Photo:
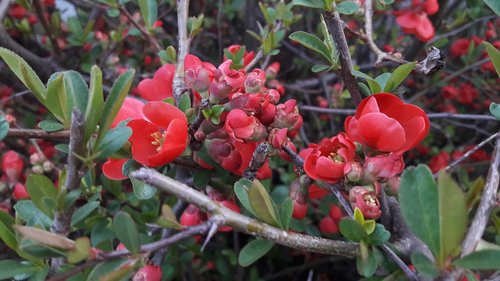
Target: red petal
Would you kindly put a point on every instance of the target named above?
(381, 132)
(328, 170)
(416, 130)
(131, 109)
(112, 169)
(192, 62)
(148, 90)
(175, 143)
(162, 113)
(425, 29)
(141, 139)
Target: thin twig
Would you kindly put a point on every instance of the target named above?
(40, 13)
(151, 39)
(242, 223)
(179, 86)
(469, 153)
(37, 134)
(336, 29)
(461, 28)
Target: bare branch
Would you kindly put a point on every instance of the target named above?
(335, 25)
(37, 134)
(258, 158)
(179, 86)
(242, 223)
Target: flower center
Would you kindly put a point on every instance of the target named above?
(158, 139)
(369, 200)
(336, 158)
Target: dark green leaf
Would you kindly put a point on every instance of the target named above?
(104, 268)
(382, 79)
(4, 127)
(126, 231)
(319, 68)
(76, 91)
(492, 51)
(184, 102)
(7, 234)
(142, 190)
(286, 212)
(317, 4)
(113, 141)
(374, 86)
(81, 251)
(50, 126)
(149, 11)
(262, 204)
(347, 7)
(495, 6)
(418, 196)
(352, 230)
(83, 212)
(113, 13)
(452, 216)
(423, 265)
(11, 268)
(24, 72)
(312, 42)
(481, 260)
(63, 147)
(380, 235)
(399, 74)
(28, 212)
(39, 187)
(56, 99)
(253, 251)
(114, 101)
(96, 102)
(366, 266)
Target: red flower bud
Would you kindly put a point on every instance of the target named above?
(273, 69)
(366, 201)
(192, 216)
(255, 81)
(234, 78)
(328, 226)
(148, 273)
(12, 166)
(299, 196)
(335, 213)
(20, 192)
(278, 137)
(383, 166)
(287, 116)
(242, 127)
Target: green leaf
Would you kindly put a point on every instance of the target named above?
(492, 51)
(27, 211)
(398, 76)
(423, 265)
(113, 141)
(126, 231)
(317, 4)
(39, 187)
(312, 42)
(494, 110)
(81, 252)
(352, 230)
(241, 190)
(76, 91)
(481, 260)
(50, 126)
(358, 216)
(369, 226)
(368, 265)
(168, 218)
(382, 79)
(96, 102)
(149, 11)
(24, 72)
(286, 212)
(379, 235)
(7, 234)
(347, 8)
(262, 204)
(11, 268)
(83, 212)
(319, 68)
(4, 127)
(114, 102)
(495, 6)
(184, 102)
(56, 100)
(374, 86)
(418, 196)
(142, 190)
(253, 251)
(452, 216)
(104, 268)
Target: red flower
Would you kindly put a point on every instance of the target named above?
(416, 23)
(242, 127)
(316, 192)
(439, 161)
(384, 123)
(327, 161)
(233, 78)
(17, 11)
(335, 213)
(148, 273)
(160, 87)
(468, 93)
(19, 192)
(12, 166)
(161, 137)
(449, 92)
(366, 201)
(131, 109)
(287, 116)
(255, 81)
(328, 226)
(198, 74)
(383, 166)
(247, 57)
(192, 216)
(113, 169)
(460, 47)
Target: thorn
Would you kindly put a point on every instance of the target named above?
(211, 232)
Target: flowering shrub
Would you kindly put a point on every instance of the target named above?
(171, 152)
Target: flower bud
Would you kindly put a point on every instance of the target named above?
(255, 81)
(192, 216)
(383, 166)
(278, 137)
(37, 169)
(148, 273)
(20, 192)
(366, 201)
(353, 171)
(335, 213)
(36, 158)
(328, 226)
